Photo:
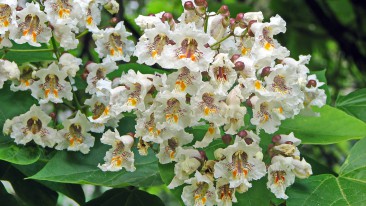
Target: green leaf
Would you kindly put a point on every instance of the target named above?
(167, 174)
(332, 126)
(73, 191)
(126, 197)
(74, 167)
(354, 104)
(29, 191)
(18, 154)
(33, 56)
(347, 189)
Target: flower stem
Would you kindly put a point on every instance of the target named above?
(27, 50)
(221, 40)
(54, 45)
(82, 34)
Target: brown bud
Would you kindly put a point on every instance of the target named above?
(265, 71)
(276, 138)
(114, 20)
(248, 140)
(239, 17)
(201, 3)
(239, 66)
(52, 115)
(203, 155)
(189, 5)
(235, 57)
(166, 17)
(242, 133)
(131, 134)
(224, 10)
(311, 83)
(226, 138)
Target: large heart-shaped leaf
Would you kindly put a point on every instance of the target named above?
(354, 104)
(332, 126)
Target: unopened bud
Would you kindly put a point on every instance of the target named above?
(248, 140)
(114, 20)
(276, 138)
(265, 71)
(289, 142)
(249, 102)
(239, 17)
(131, 134)
(239, 66)
(235, 57)
(311, 83)
(52, 115)
(166, 17)
(224, 10)
(226, 138)
(242, 133)
(201, 3)
(189, 5)
(203, 155)
(250, 32)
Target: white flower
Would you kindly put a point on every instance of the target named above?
(280, 175)
(217, 26)
(240, 165)
(8, 70)
(120, 155)
(62, 12)
(51, 85)
(133, 96)
(148, 22)
(184, 81)
(26, 78)
(91, 14)
(31, 26)
(4, 40)
(65, 35)
(114, 44)
(7, 15)
(187, 164)
(189, 49)
(69, 64)
(249, 16)
(302, 169)
(314, 96)
(225, 194)
(171, 145)
(33, 126)
(75, 136)
(222, 74)
(100, 109)
(267, 115)
(152, 43)
(206, 105)
(172, 111)
(213, 132)
(200, 191)
(98, 72)
(265, 47)
(233, 112)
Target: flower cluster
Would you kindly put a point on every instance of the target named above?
(218, 70)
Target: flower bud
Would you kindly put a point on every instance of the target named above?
(114, 20)
(224, 10)
(276, 138)
(248, 140)
(311, 83)
(218, 154)
(235, 57)
(166, 17)
(239, 66)
(226, 138)
(189, 5)
(52, 115)
(201, 3)
(203, 155)
(265, 71)
(239, 17)
(250, 32)
(242, 133)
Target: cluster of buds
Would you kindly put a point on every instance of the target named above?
(218, 68)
